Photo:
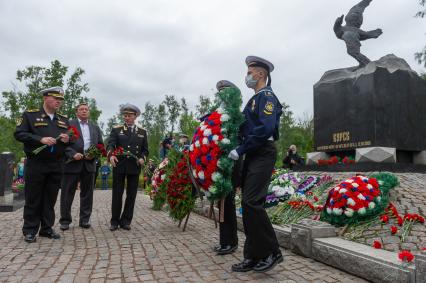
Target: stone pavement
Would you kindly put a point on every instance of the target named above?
(155, 250)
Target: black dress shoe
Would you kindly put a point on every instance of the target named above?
(226, 249)
(268, 262)
(64, 227)
(51, 234)
(85, 225)
(113, 227)
(244, 266)
(216, 248)
(30, 238)
(125, 227)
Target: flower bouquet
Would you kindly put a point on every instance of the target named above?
(72, 132)
(158, 189)
(95, 151)
(119, 151)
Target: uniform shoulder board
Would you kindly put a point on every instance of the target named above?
(32, 110)
(140, 128)
(118, 126)
(62, 115)
(268, 93)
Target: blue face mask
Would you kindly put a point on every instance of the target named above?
(250, 82)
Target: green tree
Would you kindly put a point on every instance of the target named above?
(7, 141)
(421, 56)
(204, 106)
(173, 108)
(187, 122)
(35, 78)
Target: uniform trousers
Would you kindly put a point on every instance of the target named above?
(261, 240)
(42, 182)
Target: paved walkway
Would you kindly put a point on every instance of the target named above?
(155, 250)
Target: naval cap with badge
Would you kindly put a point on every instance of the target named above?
(55, 91)
(224, 84)
(130, 109)
(255, 61)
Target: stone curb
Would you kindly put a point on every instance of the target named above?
(317, 240)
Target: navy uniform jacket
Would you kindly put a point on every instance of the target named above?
(136, 143)
(36, 124)
(262, 120)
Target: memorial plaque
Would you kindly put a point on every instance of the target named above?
(6, 172)
(381, 105)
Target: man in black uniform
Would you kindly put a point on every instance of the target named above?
(81, 168)
(228, 238)
(43, 171)
(134, 141)
(260, 130)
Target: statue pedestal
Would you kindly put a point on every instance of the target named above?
(379, 106)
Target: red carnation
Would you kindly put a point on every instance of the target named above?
(384, 218)
(406, 256)
(394, 230)
(400, 220)
(377, 245)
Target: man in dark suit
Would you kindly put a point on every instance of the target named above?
(81, 168)
(134, 142)
(43, 170)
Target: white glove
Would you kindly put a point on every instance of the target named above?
(233, 155)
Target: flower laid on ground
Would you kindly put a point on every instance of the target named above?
(408, 222)
(336, 160)
(213, 140)
(72, 133)
(406, 256)
(384, 218)
(179, 190)
(377, 245)
(394, 230)
(358, 198)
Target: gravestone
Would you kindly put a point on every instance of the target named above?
(7, 160)
(379, 107)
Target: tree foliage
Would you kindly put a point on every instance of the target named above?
(421, 55)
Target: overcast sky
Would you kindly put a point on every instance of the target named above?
(138, 51)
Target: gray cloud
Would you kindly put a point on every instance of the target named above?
(138, 51)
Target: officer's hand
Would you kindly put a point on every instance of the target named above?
(89, 157)
(141, 161)
(48, 140)
(113, 160)
(64, 138)
(233, 155)
(78, 156)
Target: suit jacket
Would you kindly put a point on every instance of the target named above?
(76, 166)
(136, 143)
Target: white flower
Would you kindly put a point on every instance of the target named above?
(329, 211)
(203, 127)
(379, 199)
(371, 205)
(362, 211)
(223, 130)
(281, 181)
(201, 175)
(355, 185)
(349, 181)
(337, 188)
(191, 147)
(342, 191)
(369, 186)
(349, 212)
(337, 211)
(205, 141)
(361, 197)
(351, 202)
(289, 190)
(194, 173)
(216, 176)
(207, 193)
(381, 182)
(220, 110)
(163, 177)
(207, 132)
(226, 141)
(197, 144)
(224, 117)
(279, 191)
(215, 138)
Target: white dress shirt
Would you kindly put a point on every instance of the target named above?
(85, 132)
